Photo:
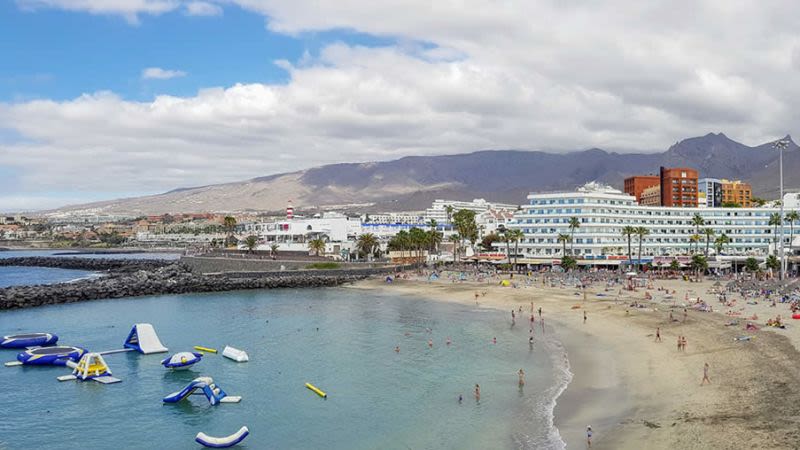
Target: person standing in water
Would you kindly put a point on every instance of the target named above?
(521, 377)
(477, 392)
(658, 334)
(589, 435)
(584, 317)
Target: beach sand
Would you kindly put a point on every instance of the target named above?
(639, 394)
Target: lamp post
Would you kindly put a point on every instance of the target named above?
(781, 145)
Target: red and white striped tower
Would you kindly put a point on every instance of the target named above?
(289, 211)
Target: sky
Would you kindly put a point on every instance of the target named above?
(103, 99)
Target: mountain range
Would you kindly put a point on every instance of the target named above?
(507, 176)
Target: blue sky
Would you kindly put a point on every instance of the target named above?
(363, 81)
(55, 54)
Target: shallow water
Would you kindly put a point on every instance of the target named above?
(339, 339)
(18, 276)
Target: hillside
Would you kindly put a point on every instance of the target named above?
(411, 183)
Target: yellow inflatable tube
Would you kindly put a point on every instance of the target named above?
(316, 390)
(204, 349)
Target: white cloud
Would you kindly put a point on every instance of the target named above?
(465, 75)
(203, 9)
(157, 73)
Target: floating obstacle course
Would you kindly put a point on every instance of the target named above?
(316, 390)
(92, 367)
(143, 339)
(28, 340)
(205, 386)
(182, 360)
(222, 442)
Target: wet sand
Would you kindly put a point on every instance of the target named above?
(637, 393)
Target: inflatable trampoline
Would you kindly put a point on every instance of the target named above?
(28, 340)
(182, 360)
(56, 356)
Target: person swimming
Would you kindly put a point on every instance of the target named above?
(430, 343)
(494, 340)
(397, 349)
(447, 341)
(477, 392)
(521, 377)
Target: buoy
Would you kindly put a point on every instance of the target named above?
(205, 349)
(316, 390)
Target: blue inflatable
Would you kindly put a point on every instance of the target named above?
(222, 442)
(28, 340)
(207, 387)
(56, 356)
(182, 360)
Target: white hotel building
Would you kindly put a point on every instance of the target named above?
(604, 211)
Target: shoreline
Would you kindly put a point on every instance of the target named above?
(638, 393)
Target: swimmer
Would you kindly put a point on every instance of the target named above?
(521, 377)
(494, 340)
(477, 392)
(397, 349)
(460, 398)
(430, 343)
(447, 341)
(530, 341)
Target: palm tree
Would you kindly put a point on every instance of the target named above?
(504, 236)
(709, 233)
(791, 217)
(697, 221)
(251, 242)
(433, 224)
(775, 220)
(574, 224)
(695, 238)
(456, 240)
(516, 236)
(435, 238)
(229, 222)
(317, 246)
(563, 238)
(366, 244)
(720, 242)
(448, 210)
(641, 232)
(273, 249)
(628, 232)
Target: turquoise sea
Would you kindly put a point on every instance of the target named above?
(342, 340)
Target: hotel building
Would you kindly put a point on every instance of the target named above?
(679, 187)
(637, 184)
(604, 212)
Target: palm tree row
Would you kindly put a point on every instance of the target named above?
(416, 240)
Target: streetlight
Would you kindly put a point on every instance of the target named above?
(781, 145)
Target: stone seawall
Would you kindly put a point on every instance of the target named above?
(201, 264)
(166, 278)
(97, 264)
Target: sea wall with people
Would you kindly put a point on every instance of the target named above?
(131, 278)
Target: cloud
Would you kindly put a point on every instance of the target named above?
(461, 76)
(157, 73)
(203, 9)
(129, 9)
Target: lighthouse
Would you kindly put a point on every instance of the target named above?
(289, 211)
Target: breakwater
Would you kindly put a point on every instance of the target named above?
(131, 278)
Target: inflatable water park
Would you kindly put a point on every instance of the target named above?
(42, 349)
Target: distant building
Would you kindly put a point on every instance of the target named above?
(438, 210)
(737, 192)
(651, 196)
(395, 218)
(711, 192)
(636, 185)
(678, 187)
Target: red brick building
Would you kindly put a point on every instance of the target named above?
(678, 187)
(636, 184)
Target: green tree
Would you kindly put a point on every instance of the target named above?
(720, 243)
(699, 264)
(563, 238)
(464, 222)
(366, 244)
(791, 218)
(697, 221)
(773, 263)
(515, 236)
(432, 235)
(709, 234)
(774, 221)
(628, 232)
(488, 240)
(251, 242)
(317, 246)
(758, 201)
(574, 224)
(568, 262)
(675, 265)
(273, 249)
(229, 222)
(419, 241)
(751, 264)
(448, 210)
(695, 239)
(641, 232)
(456, 240)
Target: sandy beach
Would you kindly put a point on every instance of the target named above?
(637, 393)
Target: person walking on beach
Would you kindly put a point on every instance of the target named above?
(589, 435)
(658, 334)
(705, 375)
(521, 377)
(540, 312)
(683, 343)
(584, 317)
(680, 341)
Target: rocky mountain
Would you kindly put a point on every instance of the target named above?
(411, 183)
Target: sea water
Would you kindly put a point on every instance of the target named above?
(339, 339)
